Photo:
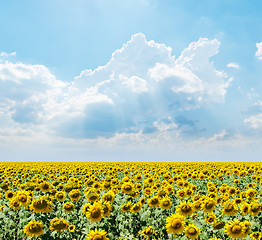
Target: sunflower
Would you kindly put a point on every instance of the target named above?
(181, 193)
(175, 224)
(107, 208)
(9, 194)
(232, 191)
(126, 207)
(238, 200)
(109, 196)
(41, 205)
(15, 204)
(95, 212)
(208, 205)
(189, 192)
(255, 208)
(92, 195)
(147, 191)
(142, 200)
(219, 225)
(210, 218)
(148, 231)
(235, 229)
(75, 195)
(68, 207)
(185, 208)
(2, 208)
(251, 193)
(192, 231)
(58, 225)
(136, 207)
(196, 197)
(71, 228)
(230, 208)
(23, 197)
(86, 207)
(197, 205)
(60, 196)
(247, 228)
(256, 235)
(45, 186)
(127, 188)
(153, 202)
(134, 194)
(34, 228)
(97, 235)
(165, 203)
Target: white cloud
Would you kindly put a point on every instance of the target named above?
(259, 50)
(135, 83)
(233, 65)
(145, 83)
(4, 54)
(23, 90)
(142, 84)
(254, 121)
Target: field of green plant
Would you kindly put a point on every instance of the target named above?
(101, 201)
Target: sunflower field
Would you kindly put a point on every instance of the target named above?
(102, 201)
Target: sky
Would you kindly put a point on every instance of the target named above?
(133, 80)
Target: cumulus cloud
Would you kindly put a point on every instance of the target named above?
(143, 83)
(140, 90)
(254, 121)
(233, 65)
(23, 90)
(259, 50)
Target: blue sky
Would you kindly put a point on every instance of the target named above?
(133, 80)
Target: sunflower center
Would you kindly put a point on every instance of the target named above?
(229, 208)
(236, 229)
(219, 225)
(75, 195)
(128, 188)
(69, 207)
(251, 194)
(136, 207)
(16, 204)
(192, 231)
(59, 225)
(40, 204)
(238, 201)
(209, 205)
(35, 228)
(45, 186)
(186, 209)
(93, 197)
(95, 213)
(255, 208)
(149, 232)
(98, 237)
(108, 198)
(106, 209)
(245, 209)
(198, 205)
(10, 195)
(126, 207)
(154, 201)
(176, 224)
(60, 197)
(166, 203)
(22, 198)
